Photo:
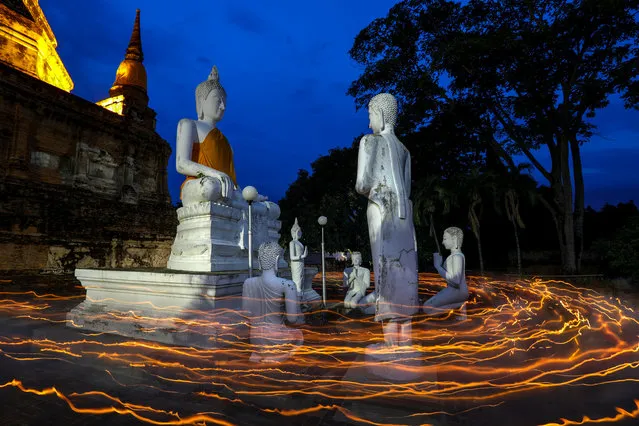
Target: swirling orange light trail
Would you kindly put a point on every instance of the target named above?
(518, 338)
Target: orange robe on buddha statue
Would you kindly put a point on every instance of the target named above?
(214, 152)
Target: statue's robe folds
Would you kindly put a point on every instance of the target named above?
(214, 152)
(384, 176)
(297, 266)
(264, 303)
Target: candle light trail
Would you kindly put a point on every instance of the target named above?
(518, 338)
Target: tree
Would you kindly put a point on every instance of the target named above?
(620, 251)
(329, 191)
(512, 187)
(532, 73)
(478, 185)
(427, 197)
(442, 153)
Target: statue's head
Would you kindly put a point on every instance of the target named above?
(356, 258)
(268, 255)
(210, 97)
(382, 112)
(296, 231)
(453, 238)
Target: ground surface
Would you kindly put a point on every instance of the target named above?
(527, 353)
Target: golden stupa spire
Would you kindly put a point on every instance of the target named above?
(128, 96)
(131, 72)
(134, 51)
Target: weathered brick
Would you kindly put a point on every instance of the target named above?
(79, 185)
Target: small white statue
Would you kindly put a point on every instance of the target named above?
(453, 271)
(384, 177)
(298, 253)
(262, 299)
(357, 279)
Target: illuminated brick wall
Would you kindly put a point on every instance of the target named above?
(28, 44)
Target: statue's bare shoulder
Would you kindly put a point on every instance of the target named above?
(186, 129)
(370, 141)
(186, 123)
(370, 137)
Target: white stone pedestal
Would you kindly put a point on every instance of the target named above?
(180, 308)
(213, 237)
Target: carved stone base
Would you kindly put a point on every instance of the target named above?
(178, 308)
(310, 296)
(164, 306)
(213, 237)
(165, 326)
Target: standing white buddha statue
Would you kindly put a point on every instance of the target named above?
(298, 253)
(384, 177)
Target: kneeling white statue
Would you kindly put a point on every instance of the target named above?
(262, 299)
(357, 279)
(453, 271)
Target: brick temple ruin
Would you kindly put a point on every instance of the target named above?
(82, 184)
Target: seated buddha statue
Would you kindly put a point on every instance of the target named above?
(268, 300)
(212, 234)
(203, 153)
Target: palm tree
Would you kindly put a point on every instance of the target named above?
(511, 201)
(432, 192)
(478, 184)
(426, 197)
(517, 184)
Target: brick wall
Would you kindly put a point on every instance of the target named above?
(79, 185)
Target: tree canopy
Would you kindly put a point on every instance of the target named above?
(329, 190)
(516, 76)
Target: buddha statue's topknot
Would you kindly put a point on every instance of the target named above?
(207, 86)
(268, 254)
(386, 103)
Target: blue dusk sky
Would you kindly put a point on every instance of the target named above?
(286, 69)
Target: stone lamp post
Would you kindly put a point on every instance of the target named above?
(322, 222)
(250, 194)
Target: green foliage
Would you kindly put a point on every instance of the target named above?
(512, 75)
(329, 191)
(604, 223)
(620, 253)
